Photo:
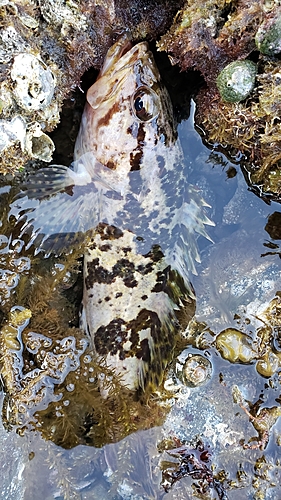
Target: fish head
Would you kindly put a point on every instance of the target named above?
(128, 108)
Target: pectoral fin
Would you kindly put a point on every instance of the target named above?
(58, 201)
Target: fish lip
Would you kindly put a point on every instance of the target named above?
(124, 54)
(126, 47)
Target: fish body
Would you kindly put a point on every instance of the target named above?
(128, 185)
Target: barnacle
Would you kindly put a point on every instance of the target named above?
(34, 83)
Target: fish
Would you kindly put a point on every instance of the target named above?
(128, 190)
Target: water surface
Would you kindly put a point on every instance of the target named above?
(237, 279)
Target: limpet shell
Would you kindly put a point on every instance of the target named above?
(237, 80)
(268, 36)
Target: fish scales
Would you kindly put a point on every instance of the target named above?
(128, 189)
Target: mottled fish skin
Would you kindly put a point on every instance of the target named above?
(136, 279)
(128, 185)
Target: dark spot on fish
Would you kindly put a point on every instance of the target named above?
(144, 351)
(108, 232)
(104, 121)
(146, 320)
(110, 338)
(161, 283)
(154, 214)
(125, 269)
(145, 269)
(99, 274)
(118, 294)
(165, 222)
(133, 129)
(135, 160)
(69, 190)
(137, 154)
(110, 164)
(113, 195)
(107, 299)
(136, 183)
(141, 134)
(105, 248)
(161, 162)
(155, 254)
(144, 297)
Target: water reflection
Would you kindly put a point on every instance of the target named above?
(235, 289)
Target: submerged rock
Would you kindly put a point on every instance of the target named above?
(235, 346)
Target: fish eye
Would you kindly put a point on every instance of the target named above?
(144, 104)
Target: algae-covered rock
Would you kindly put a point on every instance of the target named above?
(268, 36)
(208, 36)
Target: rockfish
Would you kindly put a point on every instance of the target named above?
(128, 189)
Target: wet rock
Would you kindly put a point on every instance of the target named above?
(235, 346)
(209, 36)
(12, 131)
(273, 226)
(34, 83)
(268, 364)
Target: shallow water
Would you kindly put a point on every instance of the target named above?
(238, 276)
